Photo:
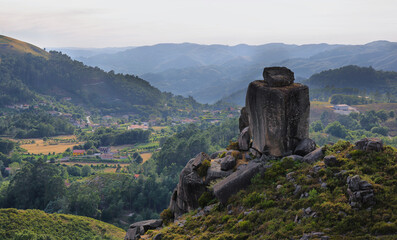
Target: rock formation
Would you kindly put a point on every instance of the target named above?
(361, 193)
(139, 228)
(278, 112)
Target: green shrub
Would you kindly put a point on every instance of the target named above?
(205, 199)
(384, 228)
(252, 199)
(167, 216)
(232, 146)
(202, 170)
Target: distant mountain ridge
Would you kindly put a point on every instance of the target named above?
(211, 72)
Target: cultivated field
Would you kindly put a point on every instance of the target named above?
(146, 156)
(57, 145)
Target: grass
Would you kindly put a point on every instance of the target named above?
(36, 224)
(13, 45)
(49, 146)
(146, 156)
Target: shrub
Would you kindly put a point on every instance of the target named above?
(205, 199)
(202, 170)
(384, 228)
(232, 146)
(252, 199)
(166, 215)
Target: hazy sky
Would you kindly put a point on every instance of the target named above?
(97, 23)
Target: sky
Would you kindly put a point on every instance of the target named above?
(118, 23)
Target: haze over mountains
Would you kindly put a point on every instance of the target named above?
(211, 72)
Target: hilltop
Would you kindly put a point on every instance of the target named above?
(12, 46)
(36, 224)
(299, 200)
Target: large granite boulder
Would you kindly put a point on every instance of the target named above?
(278, 115)
(190, 187)
(139, 228)
(243, 120)
(278, 76)
(244, 140)
(237, 181)
(228, 163)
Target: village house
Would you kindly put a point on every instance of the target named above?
(78, 152)
(341, 107)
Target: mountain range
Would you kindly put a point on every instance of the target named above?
(211, 72)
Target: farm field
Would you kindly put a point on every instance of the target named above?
(111, 169)
(57, 145)
(146, 156)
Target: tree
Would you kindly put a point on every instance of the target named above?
(336, 129)
(6, 146)
(317, 126)
(86, 171)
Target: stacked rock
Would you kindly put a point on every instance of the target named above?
(278, 112)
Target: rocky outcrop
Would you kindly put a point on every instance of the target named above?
(215, 172)
(244, 139)
(228, 163)
(278, 112)
(370, 144)
(331, 161)
(361, 193)
(240, 179)
(190, 187)
(139, 228)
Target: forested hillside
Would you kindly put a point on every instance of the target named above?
(24, 77)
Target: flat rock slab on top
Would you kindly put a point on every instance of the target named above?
(278, 76)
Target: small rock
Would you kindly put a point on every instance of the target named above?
(323, 185)
(305, 147)
(308, 210)
(298, 188)
(290, 177)
(279, 186)
(314, 156)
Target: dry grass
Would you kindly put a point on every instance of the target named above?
(45, 147)
(146, 156)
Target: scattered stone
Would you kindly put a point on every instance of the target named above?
(139, 228)
(278, 76)
(370, 144)
(227, 163)
(361, 193)
(317, 168)
(314, 156)
(244, 139)
(278, 116)
(323, 185)
(237, 181)
(298, 188)
(290, 177)
(305, 147)
(208, 209)
(331, 161)
(279, 187)
(243, 120)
